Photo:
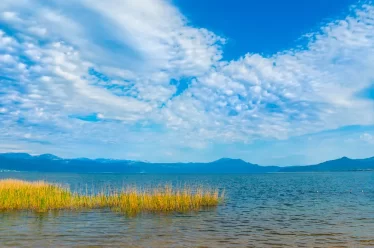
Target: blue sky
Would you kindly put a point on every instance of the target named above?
(271, 82)
(264, 27)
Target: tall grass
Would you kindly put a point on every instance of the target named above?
(41, 196)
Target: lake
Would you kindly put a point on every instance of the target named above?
(260, 210)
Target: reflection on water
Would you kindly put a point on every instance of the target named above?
(268, 210)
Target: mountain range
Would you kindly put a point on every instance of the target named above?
(52, 163)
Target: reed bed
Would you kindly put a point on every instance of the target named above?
(41, 196)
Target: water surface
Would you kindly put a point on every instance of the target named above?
(260, 210)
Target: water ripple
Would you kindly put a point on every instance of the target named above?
(267, 210)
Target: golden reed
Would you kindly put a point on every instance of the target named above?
(41, 196)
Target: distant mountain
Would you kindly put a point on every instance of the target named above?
(48, 157)
(341, 164)
(16, 155)
(52, 163)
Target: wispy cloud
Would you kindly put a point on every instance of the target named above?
(367, 138)
(117, 63)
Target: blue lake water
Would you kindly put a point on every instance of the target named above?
(260, 210)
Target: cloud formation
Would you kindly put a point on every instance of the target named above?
(136, 76)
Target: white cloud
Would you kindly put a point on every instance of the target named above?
(10, 16)
(7, 59)
(38, 31)
(137, 47)
(160, 33)
(367, 138)
(292, 92)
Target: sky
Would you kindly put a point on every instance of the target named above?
(271, 82)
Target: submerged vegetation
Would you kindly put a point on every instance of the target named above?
(41, 196)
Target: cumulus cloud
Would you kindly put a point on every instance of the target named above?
(116, 60)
